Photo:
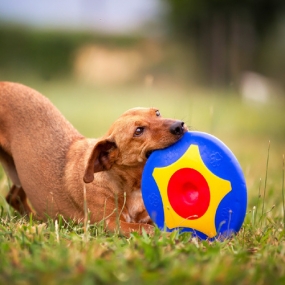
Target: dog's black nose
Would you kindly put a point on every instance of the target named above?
(177, 128)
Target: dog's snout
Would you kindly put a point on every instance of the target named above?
(177, 128)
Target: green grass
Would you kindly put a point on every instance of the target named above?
(32, 252)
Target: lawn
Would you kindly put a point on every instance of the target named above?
(62, 252)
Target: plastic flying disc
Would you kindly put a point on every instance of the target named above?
(195, 185)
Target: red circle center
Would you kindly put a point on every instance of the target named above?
(188, 193)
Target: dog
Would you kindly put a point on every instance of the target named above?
(57, 171)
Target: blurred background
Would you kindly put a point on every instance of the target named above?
(219, 65)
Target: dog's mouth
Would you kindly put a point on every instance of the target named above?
(148, 153)
(179, 136)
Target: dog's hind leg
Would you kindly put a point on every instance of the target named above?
(18, 200)
(16, 197)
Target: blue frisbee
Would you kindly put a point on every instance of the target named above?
(195, 185)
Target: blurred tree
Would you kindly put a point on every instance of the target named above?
(227, 34)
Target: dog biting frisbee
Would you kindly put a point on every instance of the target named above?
(195, 185)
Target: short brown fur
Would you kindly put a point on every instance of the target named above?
(50, 162)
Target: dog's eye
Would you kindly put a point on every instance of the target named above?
(138, 131)
(157, 113)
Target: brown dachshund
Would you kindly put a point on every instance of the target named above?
(57, 170)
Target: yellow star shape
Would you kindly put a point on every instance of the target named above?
(218, 187)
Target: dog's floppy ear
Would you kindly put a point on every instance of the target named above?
(102, 158)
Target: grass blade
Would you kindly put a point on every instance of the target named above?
(283, 201)
(265, 183)
(259, 196)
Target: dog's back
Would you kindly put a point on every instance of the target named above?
(29, 119)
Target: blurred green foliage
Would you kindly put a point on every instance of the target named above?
(230, 36)
(186, 14)
(46, 53)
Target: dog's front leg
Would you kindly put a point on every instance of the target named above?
(126, 228)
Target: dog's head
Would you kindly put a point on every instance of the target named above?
(131, 140)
